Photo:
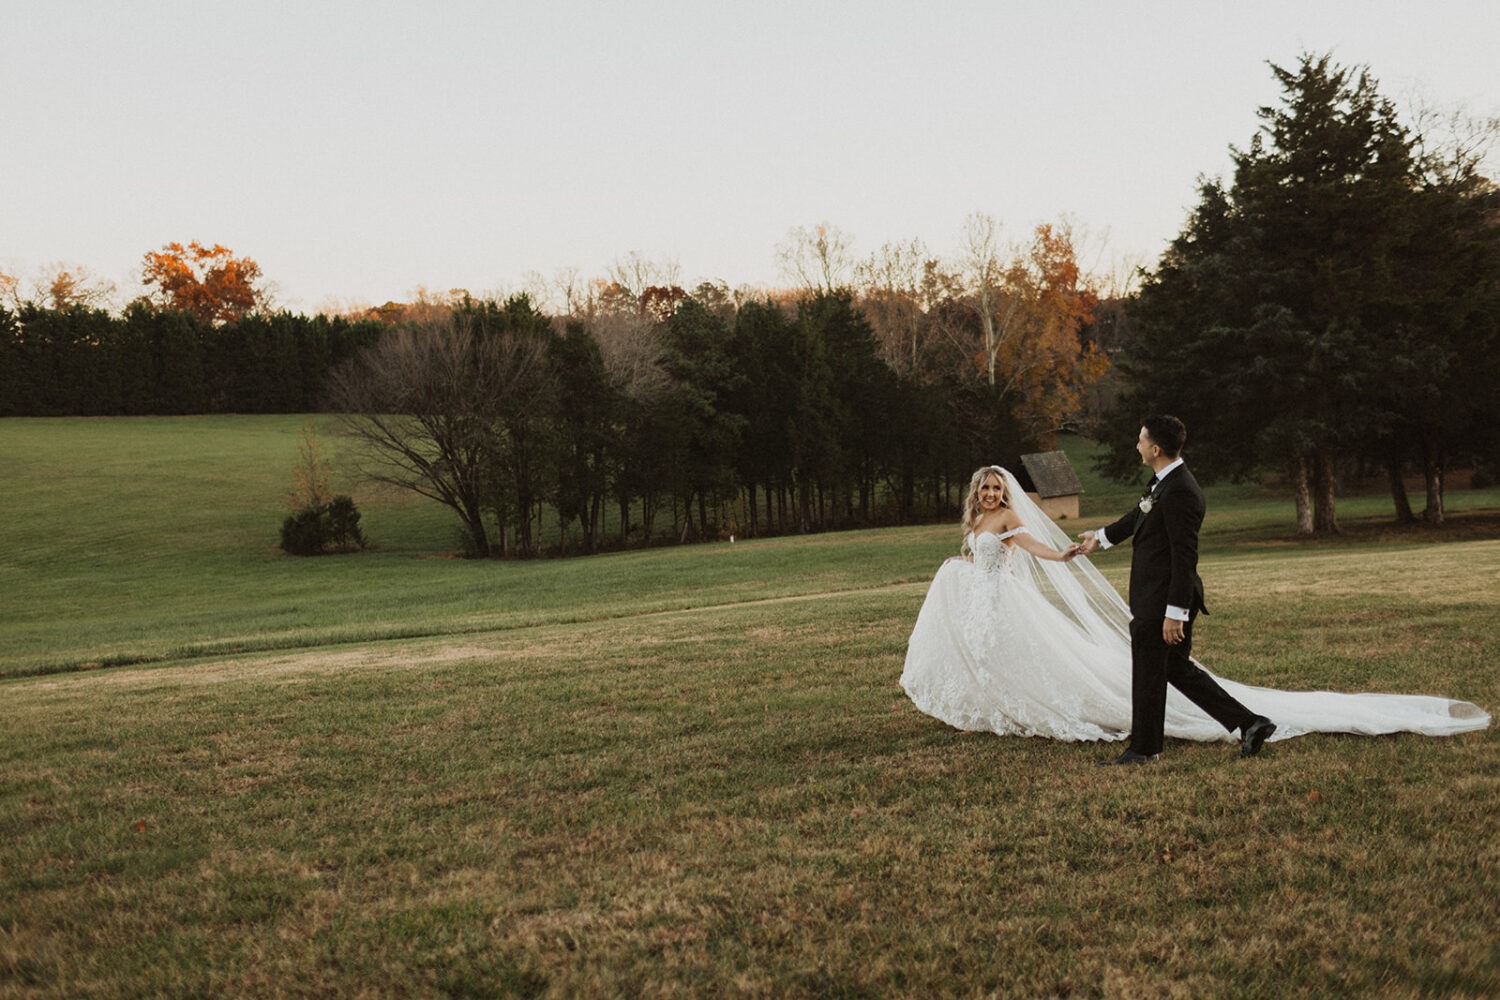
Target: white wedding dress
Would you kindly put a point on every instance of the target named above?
(1015, 645)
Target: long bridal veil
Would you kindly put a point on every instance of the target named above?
(1084, 597)
(1075, 587)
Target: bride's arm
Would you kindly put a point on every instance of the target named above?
(1042, 550)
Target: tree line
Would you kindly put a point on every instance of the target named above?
(83, 361)
(864, 398)
(204, 341)
(707, 419)
(1334, 308)
(1336, 305)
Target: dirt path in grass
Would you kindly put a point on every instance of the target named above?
(510, 643)
(1442, 575)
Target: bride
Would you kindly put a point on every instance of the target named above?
(1019, 636)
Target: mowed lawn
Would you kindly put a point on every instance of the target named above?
(688, 772)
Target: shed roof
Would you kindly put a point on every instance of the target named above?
(1052, 474)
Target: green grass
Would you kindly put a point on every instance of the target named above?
(688, 772)
(148, 539)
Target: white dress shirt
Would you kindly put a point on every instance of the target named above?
(1173, 611)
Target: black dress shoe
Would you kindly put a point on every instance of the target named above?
(1131, 757)
(1254, 735)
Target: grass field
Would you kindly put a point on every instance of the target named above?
(687, 771)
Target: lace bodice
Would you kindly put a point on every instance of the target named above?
(991, 553)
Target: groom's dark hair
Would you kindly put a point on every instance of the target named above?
(1167, 433)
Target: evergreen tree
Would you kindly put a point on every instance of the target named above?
(588, 417)
(14, 381)
(698, 427)
(761, 351)
(1286, 322)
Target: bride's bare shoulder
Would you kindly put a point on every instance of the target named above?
(998, 522)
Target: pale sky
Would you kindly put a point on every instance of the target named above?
(360, 150)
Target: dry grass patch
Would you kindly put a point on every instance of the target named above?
(738, 800)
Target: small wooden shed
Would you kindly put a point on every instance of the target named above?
(1057, 485)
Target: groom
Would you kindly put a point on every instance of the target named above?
(1166, 593)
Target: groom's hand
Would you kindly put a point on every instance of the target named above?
(1172, 631)
(1089, 543)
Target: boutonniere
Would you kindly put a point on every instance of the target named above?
(1147, 502)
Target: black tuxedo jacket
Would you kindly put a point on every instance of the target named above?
(1164, 563)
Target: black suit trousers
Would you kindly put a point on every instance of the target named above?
(1154, 665)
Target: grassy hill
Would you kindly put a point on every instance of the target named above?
(134, 540)
(684, 772)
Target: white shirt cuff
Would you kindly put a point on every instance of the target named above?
(1102, 539)
(1180, 614)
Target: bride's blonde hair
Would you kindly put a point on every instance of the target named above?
(972, 510)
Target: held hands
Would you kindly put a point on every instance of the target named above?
(1072, 552)
(1089, 544)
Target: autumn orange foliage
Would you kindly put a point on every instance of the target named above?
(659, 302)
(210, 282)
(1046, 366)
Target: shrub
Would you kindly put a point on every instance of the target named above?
(320, 528)
(302, 533)
(343, 525)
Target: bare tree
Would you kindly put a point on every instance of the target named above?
(1451, 144)
(1118, 278)
(1453, 155)
(58, 286)
(891, 284)
(818, 259)
(635, 273)
(984, 270)
(633, 353)
(68, 285)
(426, 403)
(563, 294)
(310, 474)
